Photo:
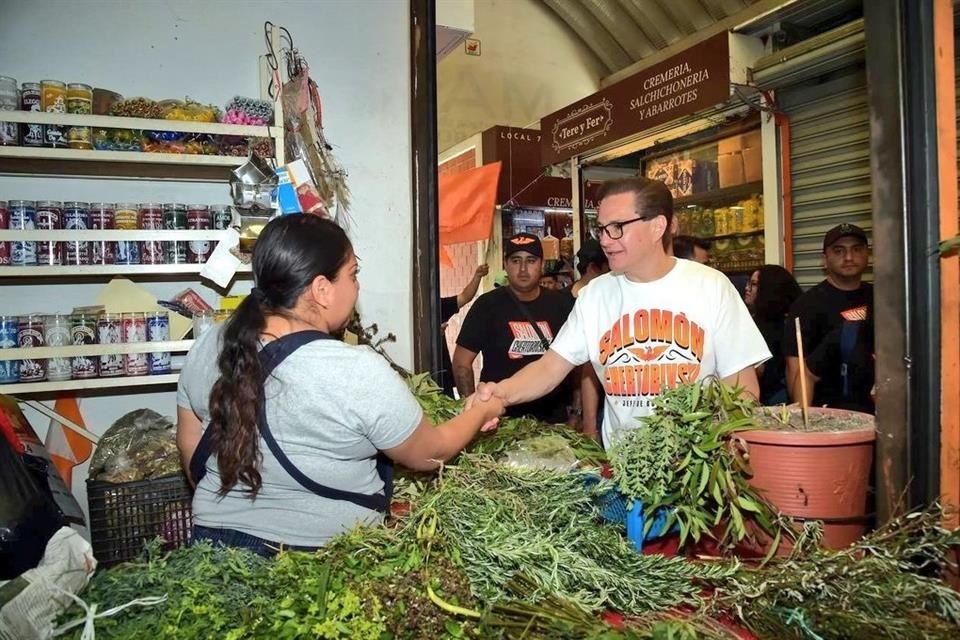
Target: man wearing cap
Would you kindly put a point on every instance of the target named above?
(836, 321)
(512, 326)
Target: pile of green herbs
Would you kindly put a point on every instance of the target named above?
(684, 460)
(542, 524)
(368, 584)
(889, 584)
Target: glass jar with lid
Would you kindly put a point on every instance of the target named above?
(9, 101)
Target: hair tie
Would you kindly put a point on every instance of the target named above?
(258, 295)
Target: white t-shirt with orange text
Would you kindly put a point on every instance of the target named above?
(643, 337)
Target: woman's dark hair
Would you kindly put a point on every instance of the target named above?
(290, 253)
(776, 291)
(651, 197)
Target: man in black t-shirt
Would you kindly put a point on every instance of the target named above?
(500, 325)
(836, 321)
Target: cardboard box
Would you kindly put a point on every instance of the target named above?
(730, 169)
(752, 164)
(739, 142)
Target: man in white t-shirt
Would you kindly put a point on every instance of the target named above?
(654, 321)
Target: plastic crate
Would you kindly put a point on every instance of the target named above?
(616, 508)
(124, 516)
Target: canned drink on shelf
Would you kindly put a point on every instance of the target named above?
(110, 331)
(9, 369)
(31, 134)
(175, 219)
(4, 224)
(158, 330)
(222, 215)
(150, 218)
(80, 102)
(125, 217)
(134, 331)
(49, 217)
(57, 334)
(101, 217)
(23, 217)
(198, 218)
(29, 335)
(53, 99)
(76, 217)
(83, 330)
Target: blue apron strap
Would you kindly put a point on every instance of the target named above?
(271, 356)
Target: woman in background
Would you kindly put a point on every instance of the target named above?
(769, 294)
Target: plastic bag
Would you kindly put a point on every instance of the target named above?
(139, 446)
(543, 452)
(30, 603)
(28, 514)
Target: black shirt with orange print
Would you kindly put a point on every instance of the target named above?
(837, 329)
(496, 327)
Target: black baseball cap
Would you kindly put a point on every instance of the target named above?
(590, 253)
(842, 231)
(523, 242)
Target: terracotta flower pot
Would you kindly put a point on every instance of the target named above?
(818, 475)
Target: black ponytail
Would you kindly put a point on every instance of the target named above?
(290, 253)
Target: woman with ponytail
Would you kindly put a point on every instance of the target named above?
(288, 434)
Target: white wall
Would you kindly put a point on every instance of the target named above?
(531, 64)
(359, 52)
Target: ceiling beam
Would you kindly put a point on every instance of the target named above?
(655, 23)
(591, 32)
(756, 9)
(621, 26)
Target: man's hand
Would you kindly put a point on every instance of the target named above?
(487, 392)
(470, 290)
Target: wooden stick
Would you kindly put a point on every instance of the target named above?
(803, 374)
(69, 424)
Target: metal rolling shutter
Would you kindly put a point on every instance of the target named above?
(830, 163)
(821, 86)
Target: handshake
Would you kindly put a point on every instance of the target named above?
(491, 399)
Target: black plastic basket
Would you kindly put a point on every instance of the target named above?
(124, 516)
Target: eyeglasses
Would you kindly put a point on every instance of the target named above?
(614, 230)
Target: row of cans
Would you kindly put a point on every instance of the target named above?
(61, 330)
(52, 214)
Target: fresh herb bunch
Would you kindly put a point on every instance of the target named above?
(889, 584)
(503, 521)
(683, 459)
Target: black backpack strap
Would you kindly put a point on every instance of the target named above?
(271, 356)
(529, 316)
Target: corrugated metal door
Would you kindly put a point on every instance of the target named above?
(830, 163)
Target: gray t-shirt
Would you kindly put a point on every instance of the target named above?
(331, 406)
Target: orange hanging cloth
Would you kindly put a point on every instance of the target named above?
(467, 203)
(67, 449)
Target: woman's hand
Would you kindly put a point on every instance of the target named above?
(492, 409)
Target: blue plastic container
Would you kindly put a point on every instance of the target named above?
(616, 508)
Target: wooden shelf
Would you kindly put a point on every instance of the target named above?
(117, 164)
(119, 382)
(117, 122)
(726, 194)
(43, 353)
(107, 235)
(105, 270)
(730, 236)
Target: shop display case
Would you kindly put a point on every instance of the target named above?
(717, 189)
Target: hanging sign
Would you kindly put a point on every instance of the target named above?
(690, 81)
